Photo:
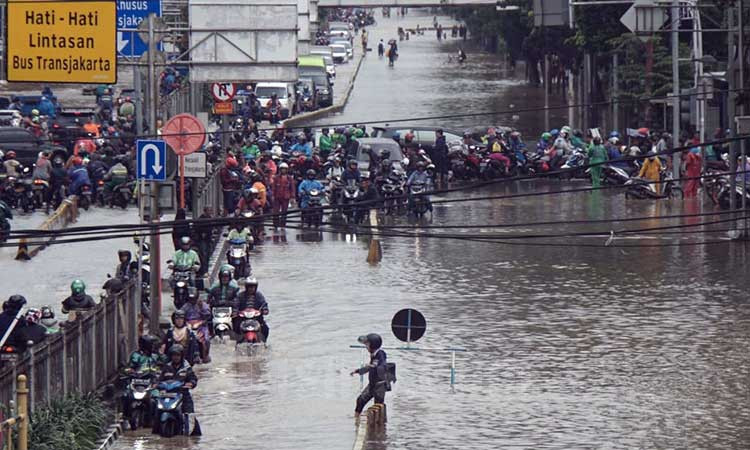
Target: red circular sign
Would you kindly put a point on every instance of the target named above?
(184, 133)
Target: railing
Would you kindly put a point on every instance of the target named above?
(18, 423)
(209, 194)
(83, 356)
(176, 102)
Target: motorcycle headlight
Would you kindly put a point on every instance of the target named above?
(180, 284)
(325, 91)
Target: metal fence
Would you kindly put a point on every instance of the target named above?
(209, 194)
(83, 356)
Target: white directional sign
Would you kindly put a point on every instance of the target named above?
(195, 165)
(151, 160)
(223, 92)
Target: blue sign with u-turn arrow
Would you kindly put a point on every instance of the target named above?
(151, 160)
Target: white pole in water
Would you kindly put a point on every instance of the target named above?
(453, 369)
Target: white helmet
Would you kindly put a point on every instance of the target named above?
(283, 166)
(276, 150)
(565, 129)
(614, 140)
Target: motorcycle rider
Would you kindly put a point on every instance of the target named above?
(123, 268)
(419, 176)
(178, 369)
(12, 165)
(273, 103)
(249, 202)
(144, 360)
(336, 170)
(252, 298)
(325, 143)
(302, 145)
(78, 300)
(224, 292)
(230, 183)
(306, 186)
(79, 176)
(115, 176)
(43, 167)
(197, 309)
(33, 332)
(58, 178)
(378, 382)
(186, 258)
(11, 308)
(48, 320)
(651, 171)
(180, 333)
(545, 141)
(352, 173)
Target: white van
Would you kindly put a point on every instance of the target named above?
(285, 93)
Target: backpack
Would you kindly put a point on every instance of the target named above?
(390, 375)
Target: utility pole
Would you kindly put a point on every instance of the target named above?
(155, 251)
(676, 160)
(731, 113)
(615, 93)
(743, 151)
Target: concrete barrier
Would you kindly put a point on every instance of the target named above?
(371, 427)
(63, 216)
(300, 119)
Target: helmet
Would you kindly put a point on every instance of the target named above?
(144, 343)
(225, 272)
(185, 240)
(178, 314)
(47, 312)
(77, 287)
(565, 129)
(554, 132)
(57, 162)
(33, 315)
(546, 136)
(77, 161)
(353, 162)
(14, 303)
(121, 253)
(34, 112)
(283, 166)
(231, 162)
(614, 134)
(385, 154)
(373, 339)
(250, 282)
(421, 165)
(176, 349)
(614, 140)
(10, 155)
(310, 173)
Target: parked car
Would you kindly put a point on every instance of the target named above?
(26, 145)
(327, 55)
(285, 93)
(424, 136)
(346, 44)
(313, 67)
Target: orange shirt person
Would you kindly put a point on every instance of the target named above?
(91, 128)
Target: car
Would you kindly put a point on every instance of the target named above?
(313, 67)
(285, 93)
(376, 145)
(26, 145)
(67, 126)
(10, 118)
(340, 54)
(346, 44)
(335, 34)
(327, 55)
(424, 136)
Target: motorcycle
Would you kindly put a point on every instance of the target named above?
(419, 203)
(222, 321)
(392, 193)
(312, 215)
(84, 199)
(237, 258)
(39, 190)
(172, 421)
(198, 326)
(641, 188)
(723, 194)
(9, 354)
(181, 280)
(122, 194)
(351, 194)
(615, 176)
(573, 165)
(138, 394)
(100, 193)
(5, 214)
(251, 336)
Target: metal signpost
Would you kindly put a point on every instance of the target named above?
(62, 41)
(223, 93)
(185, 134)
(130, 15)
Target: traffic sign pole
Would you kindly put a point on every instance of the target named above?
(182, 181)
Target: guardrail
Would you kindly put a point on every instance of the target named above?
(85, 355)
(64, 215)
(18, 423)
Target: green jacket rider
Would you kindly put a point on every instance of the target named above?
(186, 257)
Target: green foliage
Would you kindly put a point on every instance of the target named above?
(73, 422)
(596, 26)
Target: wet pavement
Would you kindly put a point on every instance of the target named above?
(570, 346)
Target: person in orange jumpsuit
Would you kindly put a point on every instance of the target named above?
(693, 166)
(651, 170)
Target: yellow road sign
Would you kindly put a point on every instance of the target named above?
(62, 41)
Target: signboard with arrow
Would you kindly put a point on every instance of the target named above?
(130, 14)
(151, 160)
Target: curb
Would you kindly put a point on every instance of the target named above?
(360, 434)
(108, 441)
(63, 216)
(296, 120)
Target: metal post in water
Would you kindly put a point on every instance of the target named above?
(676, 160)
(546, 91)
(453, 369)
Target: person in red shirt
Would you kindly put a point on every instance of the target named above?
(230, 183)
(283, 189)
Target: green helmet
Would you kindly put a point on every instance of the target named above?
(546, 136)
(77, 287)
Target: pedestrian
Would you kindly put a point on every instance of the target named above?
(180, 228)
(597, 156)
(693, 166)
(378, 378)
(439, 30)
(440, 156)
(283, 187)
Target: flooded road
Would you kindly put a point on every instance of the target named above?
(570, 346)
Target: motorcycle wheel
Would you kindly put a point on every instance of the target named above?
(84, 203)
(168, 428)
(676, 193)
(136, 421)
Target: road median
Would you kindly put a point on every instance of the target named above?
(63, 216)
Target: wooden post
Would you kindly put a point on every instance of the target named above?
(22, 401)
(375, 253)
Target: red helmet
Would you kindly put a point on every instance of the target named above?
(77, 161)
(10, 155)
(231, 162)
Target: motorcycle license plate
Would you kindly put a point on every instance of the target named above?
(8, 357)
(168, 395)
